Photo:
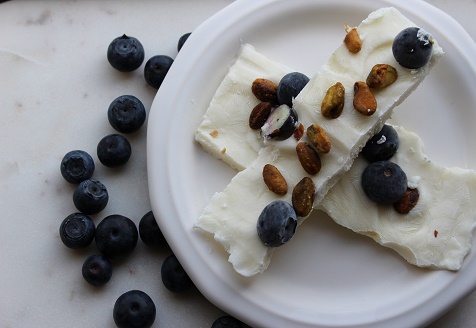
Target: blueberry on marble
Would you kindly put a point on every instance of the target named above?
(125, 53)
(382, 146)
(97, 270)
(280, 124)
(384, 182)
(126, 114)
(412, 47)
(290, 86)
(116, 236)
(76, 166)
(150, 232)
(182, 40)
(77, 231)
(134, 309)
(277, 223)
(114, 150)
(227, 321)
(90, 196)
(174, 276)
(156, 69)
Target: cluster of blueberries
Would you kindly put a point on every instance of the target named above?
(116, 236)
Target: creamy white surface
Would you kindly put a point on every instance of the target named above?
(231, 215)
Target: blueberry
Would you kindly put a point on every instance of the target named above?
(77, 231)
(116, 236)
(412, 47)
(280, 124)
(90, 196)
(381, 146)
(182, 40)
(150, 233)
(277, 223)
(384, 182)
(97, 270)
(174, 276)
(76, 166)
(126, 114)
(290, 86)
(134, 309)
(156, 69)
(114, 150)
(125, 53)
(227, 321)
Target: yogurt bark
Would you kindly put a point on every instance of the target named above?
(231, 215)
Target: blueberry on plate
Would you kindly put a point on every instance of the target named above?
(384, 182)
(280, 124)
(182, 40)
(76, 166)
(277, 223)
(97, 270)
(90, 196)
(125, 53)
(381, 146)
(116, 236)
(114, 150)
(126, 114)
(174, 276)
(227, 321)
(156, 69)
(290, 86)
(150, 232)
(77, 231)
(134, 309)
(412, 47)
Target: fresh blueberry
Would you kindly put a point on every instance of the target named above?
(97, 270)
(277, 223)
(76, 166)
(290, 86)
(412, 47)
(280, 124)
(150, 232)
(90, 196)
(114, 150)
(77, 231)
(381, 146)
(126, 114)
(182, 40)
(227, 321)
(384, 182)
(116, 236)
(174, 276)
(134, 309)
(156, 69)
(125, 53)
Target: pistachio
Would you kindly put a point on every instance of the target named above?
(364, 100)
(333, 102)
(274, 180)
(260, 114)
(381, 76)
(319, 139)
(265, 90)
(308, 157)
(303, 197)
(408, 201)
(299, 132)
(352, 39)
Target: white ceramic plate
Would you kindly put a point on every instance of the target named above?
(327, 276)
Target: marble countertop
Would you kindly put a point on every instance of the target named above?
(55, 88)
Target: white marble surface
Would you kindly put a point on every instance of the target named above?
(55, 87)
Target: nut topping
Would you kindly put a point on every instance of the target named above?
(333, 102)
(265, 90)
(364, 100)
(274, 180)
(309, 158)
(352, 39)
(303, 197)
(408, 201)
(381, 76)
(299, 132)
(260, 114)
(319, 139)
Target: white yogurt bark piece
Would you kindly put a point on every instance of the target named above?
(231, 215)
(437, 232)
